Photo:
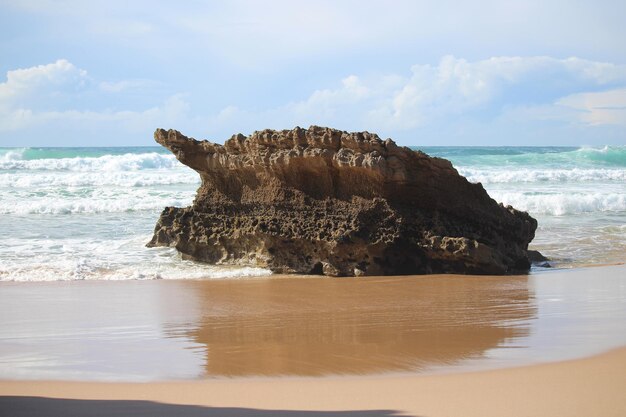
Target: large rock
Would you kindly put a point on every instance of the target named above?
(323, 201)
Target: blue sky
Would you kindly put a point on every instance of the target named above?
(107, 73)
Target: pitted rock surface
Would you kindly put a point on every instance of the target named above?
(324, 201)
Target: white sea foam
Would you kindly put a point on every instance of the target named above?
(11, 155)
(541, 158)
(118, 259)
(560, 204)
(606, 154)
(90, 215)
(87, 269)
(126, 162)
(57, 179)
(119, 203)
(106, 184)
(513, 176)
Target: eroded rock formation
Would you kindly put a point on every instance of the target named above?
(324, 201)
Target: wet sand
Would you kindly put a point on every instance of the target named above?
(315, 327)
(302, 326)
(583, 387)
(318, 346)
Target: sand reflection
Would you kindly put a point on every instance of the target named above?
(319, 326)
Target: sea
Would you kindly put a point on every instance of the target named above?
(87, 213)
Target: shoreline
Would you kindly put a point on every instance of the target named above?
(580, 387)
(150, 330)
(533, 271)
(505, 346)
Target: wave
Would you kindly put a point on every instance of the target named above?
(610, 155)
(97, 179)
(28, 153)
(87, 269)
(12, 154)
(111, 260)
(563, 203)
(527, 175)
(118, 203)
(464, 158)
(125, 162)
(545, 157)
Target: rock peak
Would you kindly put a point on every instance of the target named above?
(321, 200)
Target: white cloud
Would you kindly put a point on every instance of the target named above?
(601, 108)
(42, 82)
(127, 85)
(265, 35)
(453, 96)
(271, 35)
(34, 98)
(458, 88)
(324, 104)
(172, 111)
(332, 107)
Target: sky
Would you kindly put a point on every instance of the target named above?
(108, 73)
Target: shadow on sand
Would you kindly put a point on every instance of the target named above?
(56, 407)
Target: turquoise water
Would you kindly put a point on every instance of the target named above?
(578, 195)
(86, 213)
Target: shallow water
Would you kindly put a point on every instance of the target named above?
(577, 195)
(185, 329)
(87, 213)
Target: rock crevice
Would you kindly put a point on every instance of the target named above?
(324, 201)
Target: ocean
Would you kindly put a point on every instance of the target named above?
(87, 213)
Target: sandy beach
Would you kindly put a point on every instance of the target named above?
(584, 387)
(312, 208)
(542, 344)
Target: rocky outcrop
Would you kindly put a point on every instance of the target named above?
(324, 201)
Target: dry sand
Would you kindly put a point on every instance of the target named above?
(586, 387)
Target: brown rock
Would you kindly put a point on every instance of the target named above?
(324, 201)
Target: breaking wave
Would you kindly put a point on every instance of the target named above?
(560, 204)
(494, 175)
(87, 213)
(13, 160)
